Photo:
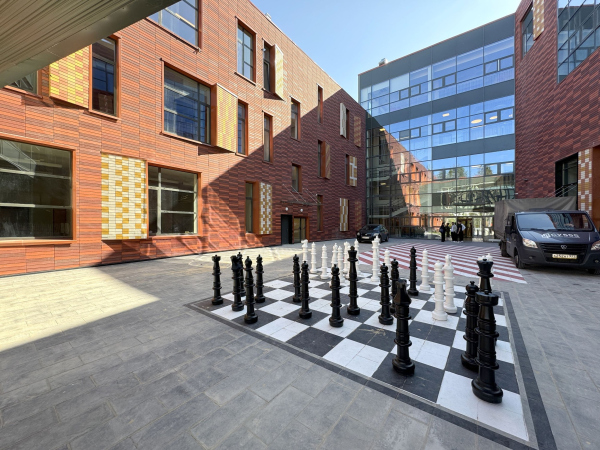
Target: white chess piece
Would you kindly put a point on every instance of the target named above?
(313, 259)
(346, 257)
(386, 257)
(425, 273)
(375, 277)
(342, 265)
(438, 280)
(449, 305)
(481, 258)
(491, 259)
(334, 255)
(324, 275)
(305, 251)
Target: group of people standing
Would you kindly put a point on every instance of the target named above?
(457, 231)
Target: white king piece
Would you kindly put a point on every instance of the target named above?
(425, 273)
(324, 263)
(449, 305)
(313, 259)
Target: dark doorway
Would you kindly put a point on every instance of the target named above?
(299, 229)
(286, 229)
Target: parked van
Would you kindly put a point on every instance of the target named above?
(548, 236)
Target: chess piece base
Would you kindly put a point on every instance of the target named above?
(386, 320)
(412, 293)
(217, 301)
(424, 288)
(490, 394)
(439, 315)
(259, 300)
(353, 311)
(250, 319)
(305, 314)
(450, 310)
(337, 323)
(402, 368)
(237, 308)
(469, 363)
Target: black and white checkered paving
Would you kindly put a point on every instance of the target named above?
(365, 346)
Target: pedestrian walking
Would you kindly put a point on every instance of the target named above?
(461, 232)
(447, 230)
(453, 231)
(443, 232)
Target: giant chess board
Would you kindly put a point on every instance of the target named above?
(366, 347)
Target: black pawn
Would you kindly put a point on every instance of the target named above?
(297, 297)
(217, 299)
(402, 362)
(484, 386)
(260, 298)
(305, 312)
(241, 260)
(250, 316)
(236, 268)
(412, 290)
(336, 318)
(395, 276)
(352, 307)
(471, 310)
(485, 273)
(385, 317)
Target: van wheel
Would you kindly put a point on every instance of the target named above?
(594, 271)
(503, 251)
(517, 259)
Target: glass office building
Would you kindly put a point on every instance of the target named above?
(440, 134)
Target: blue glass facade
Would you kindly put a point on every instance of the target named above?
(440, 134)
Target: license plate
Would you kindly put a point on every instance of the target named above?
(559, 256)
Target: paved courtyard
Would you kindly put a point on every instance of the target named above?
(111, 357)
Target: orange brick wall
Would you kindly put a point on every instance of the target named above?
(138, 133)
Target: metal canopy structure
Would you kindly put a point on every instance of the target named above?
(307, 198)
(36, 33)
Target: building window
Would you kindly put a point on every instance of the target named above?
(296, 178)
(319, 213)
(245, 53)
(104, 62)
(35, 192)
(295, 125)
(27, 83)
(249, 206)
(320, 104)
(267, 138)
(527, 31)
(267, 67)
(566, 177)
(319, 158)
(241, 130)
(347, 123)
(187, 107)
(172, 201)
(347, 170)
(181, 18)
(578, 34)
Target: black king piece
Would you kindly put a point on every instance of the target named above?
(402, 362)
(241, 260)
(250, 316)
(352, 307)
(336, 319)
(385, 318)
(260, 298)
(305, 312)
(395, 276)
(236, 268)
(412, 290)
(471, 310)
(296, 298)
(217, 299)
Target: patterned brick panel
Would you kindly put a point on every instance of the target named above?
(69, 78)
(357, 131)
(226, 120)
(343, 214)
(343, 131)
(353, 175)
(584, 187)
(266, 209)
(124, 213)
(538, 18)
(279, 72)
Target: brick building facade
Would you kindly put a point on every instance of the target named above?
(115, 159)
(557, 103)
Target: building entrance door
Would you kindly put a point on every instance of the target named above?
(299, 229)
(286, 229)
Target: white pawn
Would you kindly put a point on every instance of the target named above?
(375, 277)
(438, 280)
(490, 259)
(346, 262)
(386, 258)
(324, 275)
(449, 305)
(305, 251)
(425, 273)
(313, 259)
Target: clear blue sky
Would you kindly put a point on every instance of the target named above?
(347, 37)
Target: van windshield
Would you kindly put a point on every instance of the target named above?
(554, 221)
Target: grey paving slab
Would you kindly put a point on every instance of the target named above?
(193, 386)
(23, 394)
(349, 433)
(184, 441)
(241, 438)
(214, 357)
(270, 385)
(301, 436)
(314, 380)
(444, 435)
(84, 371)
(23, 379)
(238, 379)
(400, 432)
(243, 358)
(370, 407)
(11, 434)
(130, 366)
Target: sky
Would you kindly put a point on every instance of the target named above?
(347, 37)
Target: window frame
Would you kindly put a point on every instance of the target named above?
(38, 86)
(320, 96)
(252, 221)
(525, 23)
(347, 137)
(117, 81)
(244, 106)
(347, 170)
(199, 34)
(298, 117)
(268, 48)
(242, 25)
(299, 170)
(268, 118)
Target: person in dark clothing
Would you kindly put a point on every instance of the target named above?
(461, 232)
(447, 230)
(453, 231)
(443, 232)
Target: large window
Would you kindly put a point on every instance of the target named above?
(187, 107)
(267, 67)
(527, 32)
(181, 18)
(27, 83)
(172, 201)
(104, 62)
(578, 33)
(241, 129)
(245, 53)
(295, 123)
(296, 178)
(249, 217)
(35, 192)
(566, 177)
(267, 138)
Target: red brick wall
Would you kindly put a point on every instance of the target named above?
(553, 121)
(137, 133)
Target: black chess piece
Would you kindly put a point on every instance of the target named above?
(260, 298)
(394, 276)
(484, 386)
(412, 290)
(305, 312)
(217, 299)
(402, 362)
(236, 269)
(385, 318)
(471, 310)
(485, 273)
(336, 319)
(297, 296)
(241, 274)
(250, 316)
(352, 307)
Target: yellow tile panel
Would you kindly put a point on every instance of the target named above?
(226, 136)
